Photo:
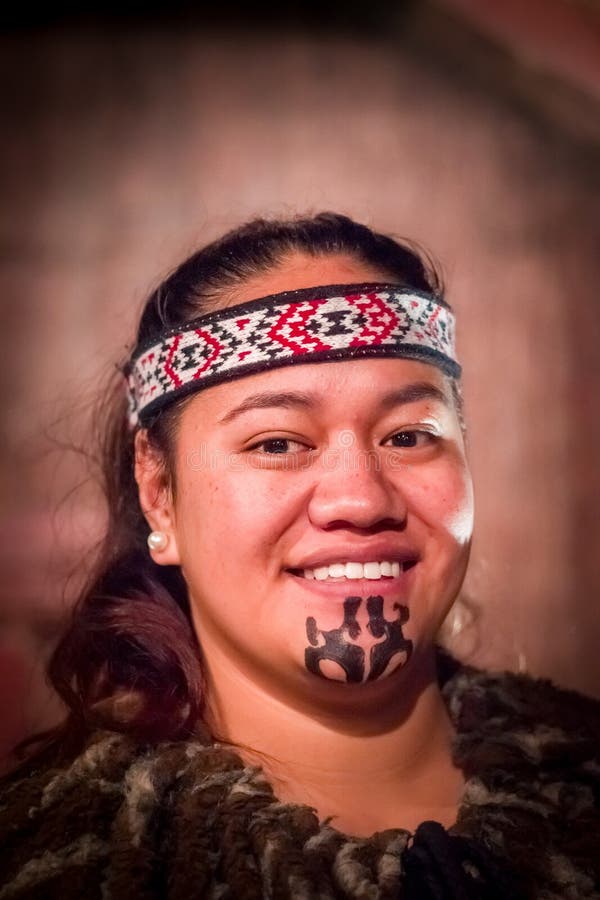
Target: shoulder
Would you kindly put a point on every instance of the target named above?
(530, 752)
(534, 714)
(62, 826)
(55, 816)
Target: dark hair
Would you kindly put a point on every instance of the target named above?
(129, 659)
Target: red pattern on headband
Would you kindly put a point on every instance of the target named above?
(313, 325)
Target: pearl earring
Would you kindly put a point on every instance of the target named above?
(158, 540)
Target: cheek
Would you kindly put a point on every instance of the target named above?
(443, 500)
(224, 512)
(459, 509)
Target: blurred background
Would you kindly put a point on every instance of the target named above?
(132, 135)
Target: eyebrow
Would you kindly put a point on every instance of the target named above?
(410, 393)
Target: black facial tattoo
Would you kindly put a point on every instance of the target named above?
(338, 645)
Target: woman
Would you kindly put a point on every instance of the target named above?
(256, 704)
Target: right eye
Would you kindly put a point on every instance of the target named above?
(278, 446)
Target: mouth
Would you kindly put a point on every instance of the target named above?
(376, 570)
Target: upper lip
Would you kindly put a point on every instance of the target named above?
(364, 554)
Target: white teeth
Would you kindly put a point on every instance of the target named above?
(372, 570)
(354, 571)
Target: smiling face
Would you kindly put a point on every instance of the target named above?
(322, 517)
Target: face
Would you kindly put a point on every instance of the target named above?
(322, 516)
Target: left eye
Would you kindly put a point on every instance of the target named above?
(410, 438)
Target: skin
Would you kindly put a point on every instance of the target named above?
(338, 475)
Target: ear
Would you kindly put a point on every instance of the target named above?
(156, 498)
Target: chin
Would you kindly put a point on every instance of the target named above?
(359, 671)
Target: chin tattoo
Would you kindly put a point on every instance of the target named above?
(360, 657)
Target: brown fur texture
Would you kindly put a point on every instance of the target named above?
(131, 821)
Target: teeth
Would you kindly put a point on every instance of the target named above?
(372, 570)
(354, 571)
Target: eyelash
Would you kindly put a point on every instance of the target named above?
(428, 435)
(281, 440)
(261, 445)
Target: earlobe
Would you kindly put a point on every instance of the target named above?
(156, 501)
(162, 546)
(158, 540)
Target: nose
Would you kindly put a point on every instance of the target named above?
(353, 490)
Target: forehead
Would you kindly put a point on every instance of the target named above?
(298, 270)
(330, 384)
(327, 388)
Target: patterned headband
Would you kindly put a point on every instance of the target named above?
(320, 324)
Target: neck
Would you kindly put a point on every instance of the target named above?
(371, 762)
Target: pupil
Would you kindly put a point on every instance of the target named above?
(405, 439)
(277, 445)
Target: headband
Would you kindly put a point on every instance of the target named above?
(320, 324)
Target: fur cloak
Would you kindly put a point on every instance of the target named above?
(182, 820)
